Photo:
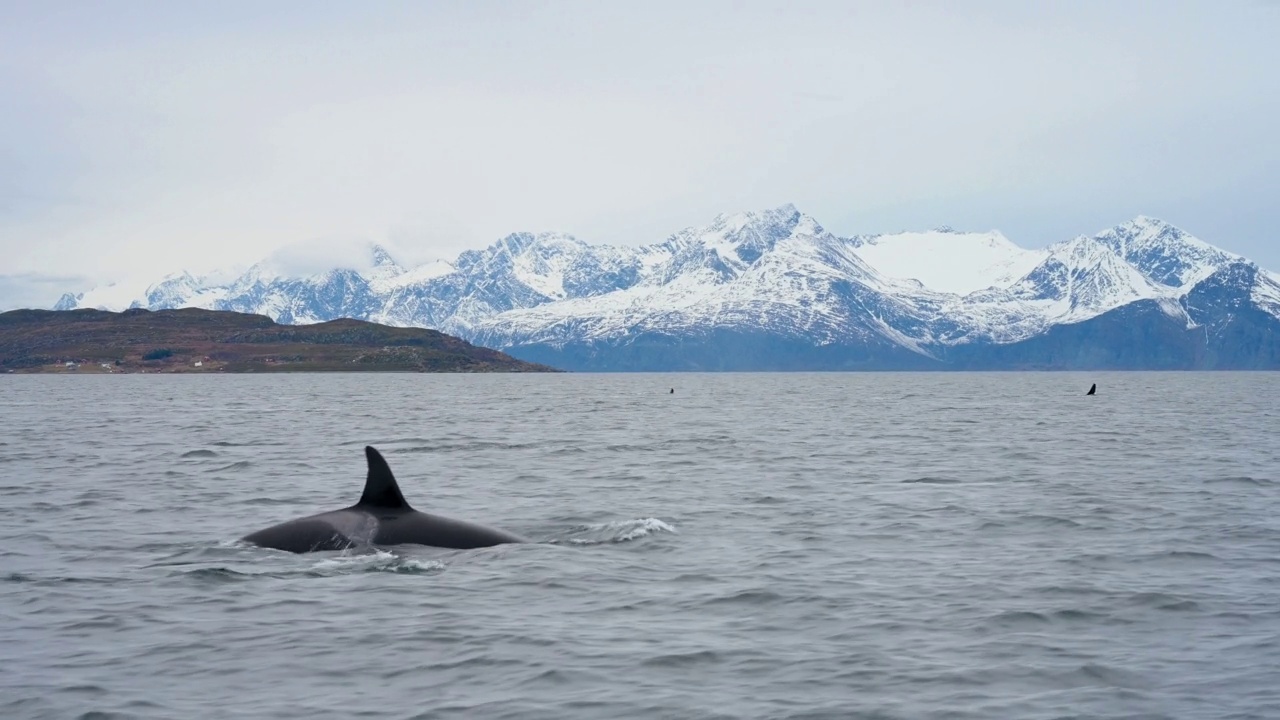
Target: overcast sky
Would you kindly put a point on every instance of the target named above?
(139, 138)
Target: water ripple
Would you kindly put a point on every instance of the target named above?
(759, 546)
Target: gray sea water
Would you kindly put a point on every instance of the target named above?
(751, 546)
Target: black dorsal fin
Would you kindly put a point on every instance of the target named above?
(380, 488)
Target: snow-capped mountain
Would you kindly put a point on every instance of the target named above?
(774, 289)
(948, 261)
(1163, 253)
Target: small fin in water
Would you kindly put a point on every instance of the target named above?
(380, 487)
(1092, 389)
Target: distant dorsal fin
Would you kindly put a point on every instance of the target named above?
(380, 488)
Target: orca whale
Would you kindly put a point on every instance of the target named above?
(1092, 389)
(382, 517)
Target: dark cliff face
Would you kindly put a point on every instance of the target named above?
(1234, 332)
(1138, 336)
(1217, 326)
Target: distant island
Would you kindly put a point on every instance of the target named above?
(192, 340)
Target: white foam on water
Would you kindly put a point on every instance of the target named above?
(621, 531)
(376, 561)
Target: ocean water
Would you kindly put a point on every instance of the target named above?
(751, 546)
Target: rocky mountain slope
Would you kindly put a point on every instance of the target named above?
(775, 290)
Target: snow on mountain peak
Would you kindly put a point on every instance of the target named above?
(183, 290)
(1082, 278)
(1266, 292)
(948, 261)
(385, 272)
(547, 258)
(114, 296)
(260, 273)
(731, 243)
(733, 223)
(775, 271)
(1164, 253)
(382, 258)
(422, 273)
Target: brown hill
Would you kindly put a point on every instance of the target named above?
(194, 340)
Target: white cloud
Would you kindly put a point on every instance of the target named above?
(147, 139)
(319, 256)
(32, 290)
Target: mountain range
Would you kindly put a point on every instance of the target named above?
(774, 290)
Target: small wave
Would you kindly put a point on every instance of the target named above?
(680, 660)
(1096, 674)
(932, 481)
(84, 689)
(268, 501)
(97, 623)
(1043, 520)
(1079, 616)
(348, 563)
(476, 662)
(234, 467)
(216, 574)
(619, 531)
(746, 597)
(1070, 590)
(1179, 556)
(672, 445)
(1020, 617)
(1243, 480)
(1190, 555)
(1162, 601)
(439, 447)
(1053, 520)
(551, 677)
(199, 454)
(695, 578)
(387, 441)
(1232, 616)
(170, 555)
(66, 580)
